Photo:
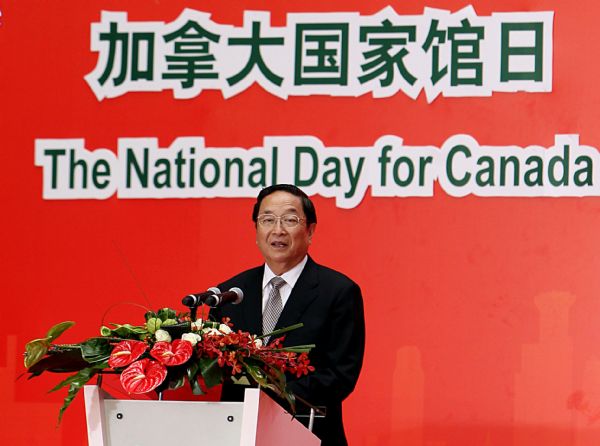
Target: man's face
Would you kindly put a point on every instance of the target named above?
(282, 247)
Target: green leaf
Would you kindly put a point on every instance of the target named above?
(75, 383)
(59, 329)
(242, 380)
(35, 350)
(278, 333)
(178, 383)
(149, 315)
(68, 381)
(129, 331)
(166, 313)
(211, 324)
(271, 378)
(176, 330)
(192, 375)
(256, 373)
(64, 359)
(192, 370)
(296, 348)
(276, 376)
(211, 372)
(291, 399)
(153, 324)
(196, 388)
(96, 349)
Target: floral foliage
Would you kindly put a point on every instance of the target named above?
(168, 351)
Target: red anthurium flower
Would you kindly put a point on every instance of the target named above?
(125, 352)
(172, 353)
(143, 376)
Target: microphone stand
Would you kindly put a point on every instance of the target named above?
(321, 412)
(193, 312)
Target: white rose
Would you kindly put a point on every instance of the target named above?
(223, 328)
(197, 326)
(211, 331)
(162, 335)
(258, 343)
(192, 338)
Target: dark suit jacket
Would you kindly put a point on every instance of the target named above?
(330, 306)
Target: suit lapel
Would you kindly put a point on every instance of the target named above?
(253, 301)
(303, 293)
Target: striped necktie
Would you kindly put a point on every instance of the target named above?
(273, 307)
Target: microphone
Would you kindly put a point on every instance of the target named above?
(234, 296)
(194, 300)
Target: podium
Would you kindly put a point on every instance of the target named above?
(258, 421)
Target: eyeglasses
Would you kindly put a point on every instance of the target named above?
(287, 221)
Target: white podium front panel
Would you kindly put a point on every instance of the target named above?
(258, 421)
(141, 423)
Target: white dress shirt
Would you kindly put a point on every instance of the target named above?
(290, 277)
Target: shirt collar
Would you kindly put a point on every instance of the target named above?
(290, 277)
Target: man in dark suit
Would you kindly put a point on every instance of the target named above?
(328, 303)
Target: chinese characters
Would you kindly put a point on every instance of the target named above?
(337, 54)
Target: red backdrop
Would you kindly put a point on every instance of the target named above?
(482, 313)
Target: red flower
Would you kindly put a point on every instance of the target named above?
(175, 353)
(125, 352)
(143, 376)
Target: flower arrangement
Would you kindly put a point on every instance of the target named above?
(167, 351)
